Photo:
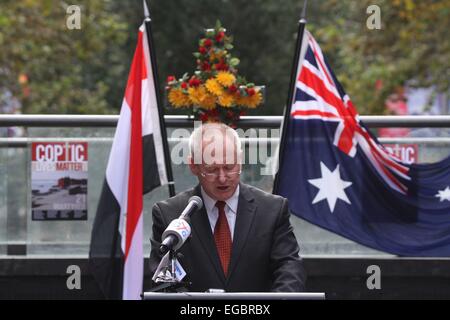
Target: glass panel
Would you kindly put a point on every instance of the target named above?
(16, 177)
(419, 145)
(72, 237)
(3, 199)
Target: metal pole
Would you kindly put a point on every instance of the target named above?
(184, 121)
(148, 27)
(287, 112)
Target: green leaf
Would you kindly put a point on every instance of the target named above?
(241, 80)
(218, 25)
(234, 62)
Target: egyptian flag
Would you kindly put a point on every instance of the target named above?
(136, 166)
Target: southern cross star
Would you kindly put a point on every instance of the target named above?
(444, 194)
(331, 187)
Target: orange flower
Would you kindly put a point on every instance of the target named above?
(178, 99)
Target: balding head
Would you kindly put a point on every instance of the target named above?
(215, 158)
(215, 143)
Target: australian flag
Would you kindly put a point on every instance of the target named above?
(338, 176)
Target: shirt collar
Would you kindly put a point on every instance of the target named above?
(231, 202)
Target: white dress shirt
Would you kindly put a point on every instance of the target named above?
(230, 210)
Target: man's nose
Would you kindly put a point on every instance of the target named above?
(222, 175)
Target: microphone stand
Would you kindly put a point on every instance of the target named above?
(165, 274)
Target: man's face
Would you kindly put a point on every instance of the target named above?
(219, 169)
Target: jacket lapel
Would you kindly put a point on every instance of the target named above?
(244, 218)
(202, 229)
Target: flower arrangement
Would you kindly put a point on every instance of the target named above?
(215, 93)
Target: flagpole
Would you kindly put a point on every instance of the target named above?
(148, 28)
(292, 85)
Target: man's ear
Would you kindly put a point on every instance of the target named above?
(194, 168)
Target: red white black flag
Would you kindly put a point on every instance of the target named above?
(136, 165)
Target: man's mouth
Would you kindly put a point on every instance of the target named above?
(223, 188)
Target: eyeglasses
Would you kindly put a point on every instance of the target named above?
(212, 176)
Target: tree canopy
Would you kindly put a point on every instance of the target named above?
(51, 69)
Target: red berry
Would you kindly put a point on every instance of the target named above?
(202, 50)
(194, 82)
(214, 113)
(170, 79)
(232, 88)
(220, 36)
(251, 91)
(221, 66)
(207, 43)
(206, 66)
(204, 117)
(184, 85)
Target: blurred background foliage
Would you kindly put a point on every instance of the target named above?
(47, 68)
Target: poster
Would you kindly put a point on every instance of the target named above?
(59, 176)
(408, 153)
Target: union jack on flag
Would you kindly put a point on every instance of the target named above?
(337, 175)
(320, 96)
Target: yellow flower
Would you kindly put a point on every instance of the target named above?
(215, 54)
(200, 97)
(254, 100)
(208, 102)
(197, 94)
(178, 99)
(225, 78)
(226, 100)
(250, 101)
(240, 100)
(214, 87)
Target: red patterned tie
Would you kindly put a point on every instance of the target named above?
(222, 237)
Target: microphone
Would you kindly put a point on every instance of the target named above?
(179, 229)
(195, 203)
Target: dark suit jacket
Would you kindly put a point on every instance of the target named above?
(265, 253)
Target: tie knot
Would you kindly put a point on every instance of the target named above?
(220, 205)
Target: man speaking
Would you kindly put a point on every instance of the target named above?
(241, 240)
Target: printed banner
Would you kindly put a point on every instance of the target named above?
(407, 153)
(59, 176)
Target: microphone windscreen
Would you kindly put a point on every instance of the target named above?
(197, 200)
